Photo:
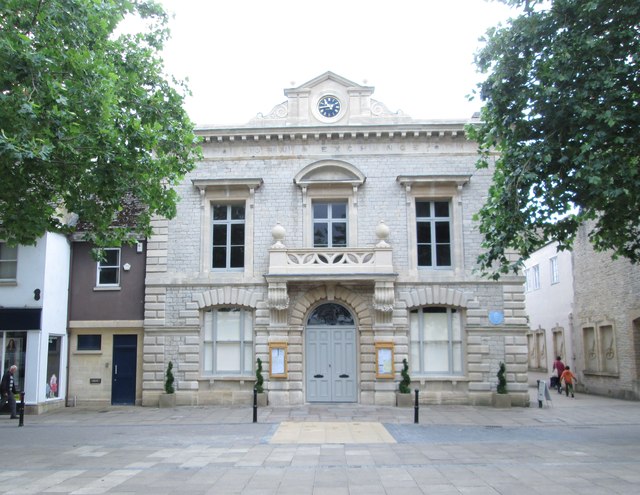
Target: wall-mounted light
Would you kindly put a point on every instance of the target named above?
(36, 294)
(126, 267)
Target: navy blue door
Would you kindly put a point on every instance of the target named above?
(123, 381)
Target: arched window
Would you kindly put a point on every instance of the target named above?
(330, 314)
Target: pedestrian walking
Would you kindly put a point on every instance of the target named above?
(558, 366)
(8, 390)
(568, 378)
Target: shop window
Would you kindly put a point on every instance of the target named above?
(53, 367)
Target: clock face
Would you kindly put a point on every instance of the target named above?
(329, 106)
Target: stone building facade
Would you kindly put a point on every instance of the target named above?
(331, 239)
(606, 327)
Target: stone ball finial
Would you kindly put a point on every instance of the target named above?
(382, 231)
(278, 232)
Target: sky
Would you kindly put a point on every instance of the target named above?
(238, 56)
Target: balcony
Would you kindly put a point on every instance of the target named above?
(371, 265)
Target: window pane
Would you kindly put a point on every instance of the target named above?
(220, 212)
(436, 326)
(441, 208)
(339, 210)
(237, 234)
(237, 213)
(442, 232)
(53, 367)
(208, 326)
(320, 235)
(339, 233)
(228, 357)
(424, 256)
(108, 276)
(8, 269)
(228, 325)
(320, 210)
(219, 235)
(237, 257)
(436, 356)
(248, 359)
(456, 323)
(443, 255)
(208, 357)
(89, 342)
(457, 358)
(219, 257)
(424, 232)
(111, 257)
(423, 209)
(248, 326)
(413, 327)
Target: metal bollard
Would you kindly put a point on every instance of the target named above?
(416, 409)
(21, 409)
(255, 405)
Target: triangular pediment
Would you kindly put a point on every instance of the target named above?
(329, 99)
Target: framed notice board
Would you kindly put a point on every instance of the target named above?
(278, 360)
(384, 360)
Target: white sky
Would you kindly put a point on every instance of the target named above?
(239, 55)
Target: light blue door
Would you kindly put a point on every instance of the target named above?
(330, 355)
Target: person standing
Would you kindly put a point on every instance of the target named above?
(8, 390)
(568, 378)
(558, 365)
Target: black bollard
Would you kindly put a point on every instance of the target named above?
(539, 396)
(21, 408)
(255, 405)
(416, 409)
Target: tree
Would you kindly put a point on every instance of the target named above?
(88, 120)
(406, 379)
(502, 381)
(561, 120)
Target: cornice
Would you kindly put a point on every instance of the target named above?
(425, 130)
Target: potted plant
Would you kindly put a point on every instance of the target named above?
(403, 397)
(168, 399)
(259, 386)
(501, 398)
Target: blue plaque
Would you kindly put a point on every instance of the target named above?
(496, 317)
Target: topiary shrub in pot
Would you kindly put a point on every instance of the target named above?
(259, 386)
(168, 399)
(403, 397)
(501, 397)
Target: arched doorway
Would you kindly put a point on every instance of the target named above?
(330, 355)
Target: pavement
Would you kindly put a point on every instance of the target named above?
(586, 445)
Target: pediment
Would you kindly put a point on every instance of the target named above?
(329, 99)
(329, 172)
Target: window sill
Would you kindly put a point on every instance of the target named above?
(106, 289)
(8, 283)
(437, 378)
(227, 378)
(96, 352)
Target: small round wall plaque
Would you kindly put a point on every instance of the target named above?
(496, 317)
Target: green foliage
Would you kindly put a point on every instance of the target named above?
(502, 381)
(168, 381)
(406, 380)
(87, 118)
(259, 380)
(560, 125)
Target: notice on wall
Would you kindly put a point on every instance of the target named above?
(278, 355)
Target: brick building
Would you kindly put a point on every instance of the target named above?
(330, 238)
